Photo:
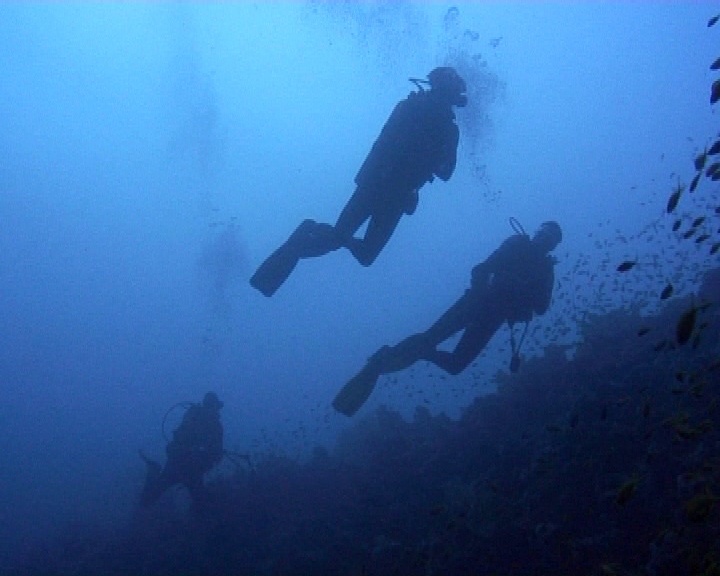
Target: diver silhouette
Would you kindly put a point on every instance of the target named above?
(512, 284)
(196, 447)
(417, 143)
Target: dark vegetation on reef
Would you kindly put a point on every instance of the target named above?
(606, 463)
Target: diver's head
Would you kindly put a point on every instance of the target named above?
(548, 236)
(212, 402)
(448, 84)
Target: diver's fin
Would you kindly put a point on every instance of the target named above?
(279, 265)
(275, 270)
(354, 394)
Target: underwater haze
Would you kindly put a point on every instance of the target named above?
(154, 154)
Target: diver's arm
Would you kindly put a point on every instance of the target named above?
(482, 273)
(512, 248)
(480, 276)
(392, 132)
(216, 446)
(545, 289)
(448, 161)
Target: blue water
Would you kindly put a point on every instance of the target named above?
(155, 154)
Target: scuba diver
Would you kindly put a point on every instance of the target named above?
(512, 284)
(196, 447)
(418, 142)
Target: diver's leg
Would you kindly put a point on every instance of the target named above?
(419, 346)
(453, 319)
(379, 230)
(386, 360)
(384, 217)
(355, 212)
(422, 346)
(403, 355)
(353, 215)
(472, 342)
(395, 358)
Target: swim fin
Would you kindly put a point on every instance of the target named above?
(275, 270)
(308, 240)
(355, 393)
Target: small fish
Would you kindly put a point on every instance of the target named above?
(715, 148)
(685, 326)
(701, 238)
(712, 169)
(676, 225)
(715, 65)
(700, 160)
(714, 248)
(627, 265)
(674, 199)
(695, 181)
(712, 21)
(699, 220)
(667, 292)
(715, 92)
(689, 233)
(643, 331)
